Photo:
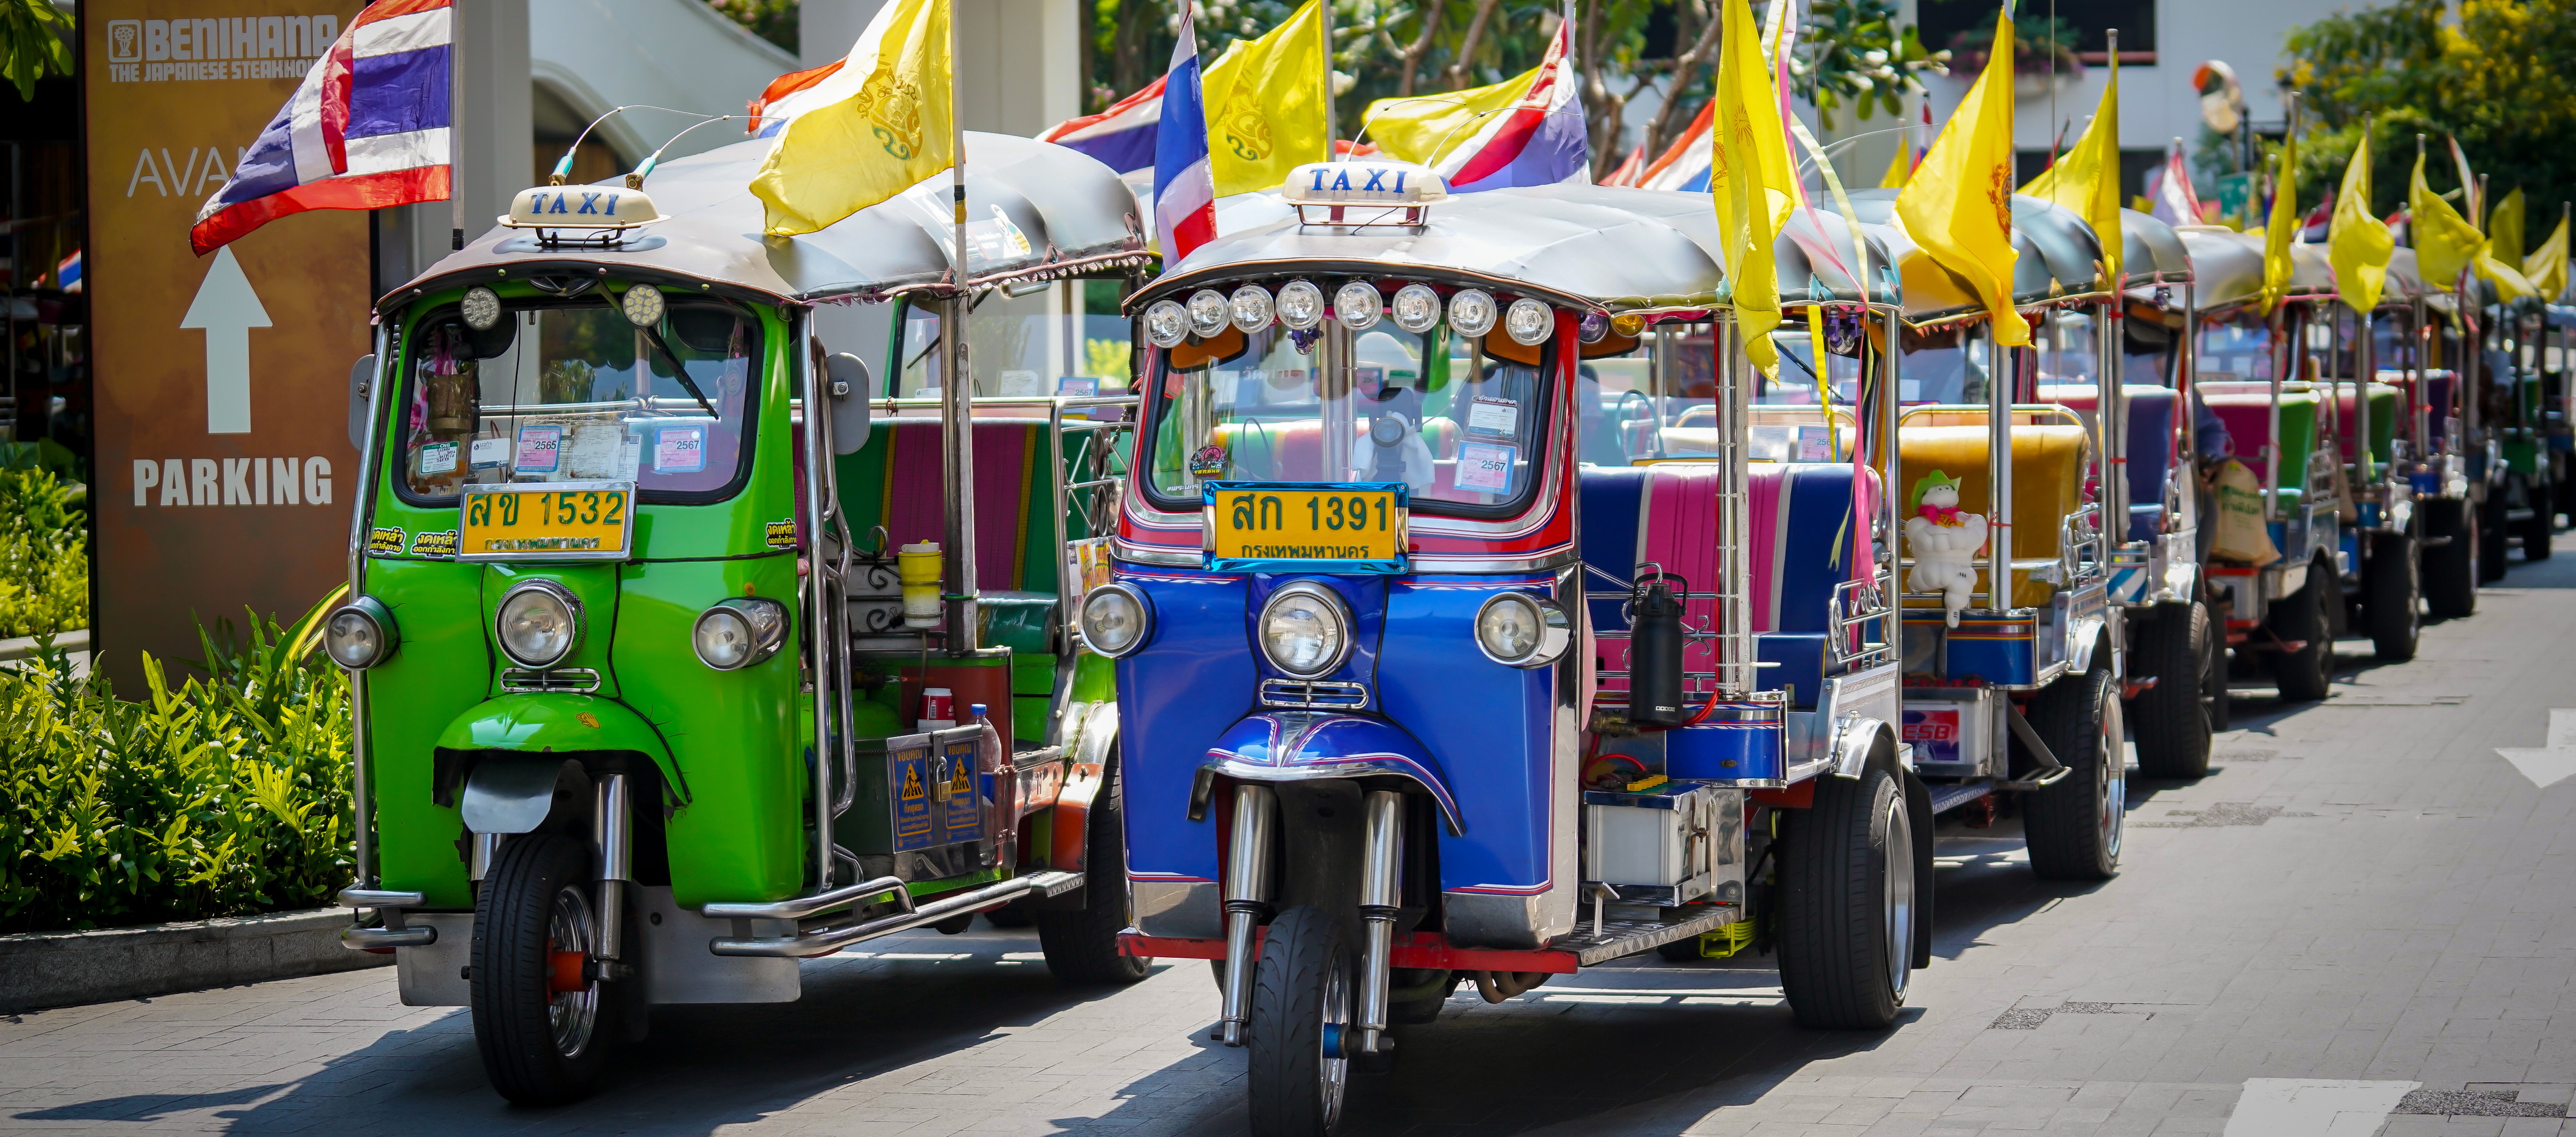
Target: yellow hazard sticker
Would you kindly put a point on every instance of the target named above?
(384, 541)
(782, 534)
(439, 544)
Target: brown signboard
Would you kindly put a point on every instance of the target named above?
(224, 472)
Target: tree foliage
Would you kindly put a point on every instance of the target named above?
(31, 43)
(2489, 72)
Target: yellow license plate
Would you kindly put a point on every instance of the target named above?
(552, 521)
(1348, 528)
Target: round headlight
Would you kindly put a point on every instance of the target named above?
(1594, 329)
(1516, 629)
(1250, 308)
(482, 308)
(1529, 323)
(538, 623)
(1209, 313)
(1115, 620)
(359, 634)
(1167, 323)
(1471, 312)
(1305, 631)
(1301, 305)
(739, 632)
(642, 305)
(1416, 308)
(1357, 305)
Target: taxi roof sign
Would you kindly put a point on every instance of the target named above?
(581, 207)
(1349, 186)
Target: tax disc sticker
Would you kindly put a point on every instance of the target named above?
(680, 450)
(438, 458)
(1499, 418)
(1485, 467)
(541, 449)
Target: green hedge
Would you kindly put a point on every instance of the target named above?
(223, 796)
(44, 559)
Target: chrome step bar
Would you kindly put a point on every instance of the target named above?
(393, 934)
(826, 941)
(821, 902)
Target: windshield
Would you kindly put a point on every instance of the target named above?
(574, 392)
(1456, 426)
(2236, 347)
(1065, 339)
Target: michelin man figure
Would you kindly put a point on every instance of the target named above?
(1944, 542)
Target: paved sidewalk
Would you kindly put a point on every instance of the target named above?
(2360, 923)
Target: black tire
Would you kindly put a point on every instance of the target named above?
(2495, 535)
(2303, 676)
(2544, 518)
(2214, 672)
(2171, 719)
(539, 1047)
(2391, 581)
(1847, 903)
(2450, 566)
(2075, 824)
(1081, 944)
(1303, 996)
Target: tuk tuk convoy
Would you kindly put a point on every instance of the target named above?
(1410, 592)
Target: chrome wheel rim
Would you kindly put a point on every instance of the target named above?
(1332, 1071)
(1897, 898)
(2113, 794)
(572, 1015)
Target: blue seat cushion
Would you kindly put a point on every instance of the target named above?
(1803, 665)
(1613, 500)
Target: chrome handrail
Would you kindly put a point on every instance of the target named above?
(798, 908)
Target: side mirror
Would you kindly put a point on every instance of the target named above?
(361, 374)
(847, 383)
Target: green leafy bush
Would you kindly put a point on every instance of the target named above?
(44, 558)
(224, 796)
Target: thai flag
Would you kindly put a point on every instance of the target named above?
(366, 130)
(67, 275)
(2169, 187)
(1539, 141)
(1122, 137)
(1684, 165)
(1184, 184)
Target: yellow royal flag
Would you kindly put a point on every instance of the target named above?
(2504, 229)
(2357, 242)
(1900, 168)
(2445, 242)
(2546, 267)
(1265, 105)
(2281, 229)
(1958, 207)
(1751, 181)
(2086, 179)
(893, 130)
(1422, 128)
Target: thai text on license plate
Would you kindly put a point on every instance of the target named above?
(1358, 527)
(548, 521)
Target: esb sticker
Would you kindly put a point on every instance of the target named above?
(680, 450)
(1485, 468)
(1934, 734)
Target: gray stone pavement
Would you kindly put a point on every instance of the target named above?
(2359, 923)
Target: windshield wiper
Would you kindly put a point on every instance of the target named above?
(679, 370)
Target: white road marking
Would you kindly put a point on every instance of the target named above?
(2313, 1107)
(2554, 762)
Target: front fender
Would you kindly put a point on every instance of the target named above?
(551, 723)
(1293, 746)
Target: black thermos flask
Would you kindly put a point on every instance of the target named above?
(1655, 639)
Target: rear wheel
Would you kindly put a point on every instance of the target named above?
(1847, 904)
(2390, 579)
(2304, 675)
(1301, 1005)
(538, 1003)
(2544, 517)
(2450, 559)
(2494, 537)
(2074, 825)
(1081, 944)
(2173, 719)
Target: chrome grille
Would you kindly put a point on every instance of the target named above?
(1314, 694)
(576, 679)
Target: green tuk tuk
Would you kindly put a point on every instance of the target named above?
(682, 648)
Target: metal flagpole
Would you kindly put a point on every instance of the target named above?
(456, 125)
(1324, 12)
(956, 388)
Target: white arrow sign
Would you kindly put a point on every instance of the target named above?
(2554, 761)
(227, 309)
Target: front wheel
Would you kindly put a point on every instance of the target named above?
(2305, 675)
(1081, 945)
(2393, 585)
(2450, 567)
(538, 1002)
(1301, 1005)
(1847, 904)
(2544, 517)
(2173, 720)
(2074, 825)
(2495, 535)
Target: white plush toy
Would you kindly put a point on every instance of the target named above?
(1944, 542)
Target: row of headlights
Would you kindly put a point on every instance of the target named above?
(1305, 630)
(539, 623)
(1299, 306)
